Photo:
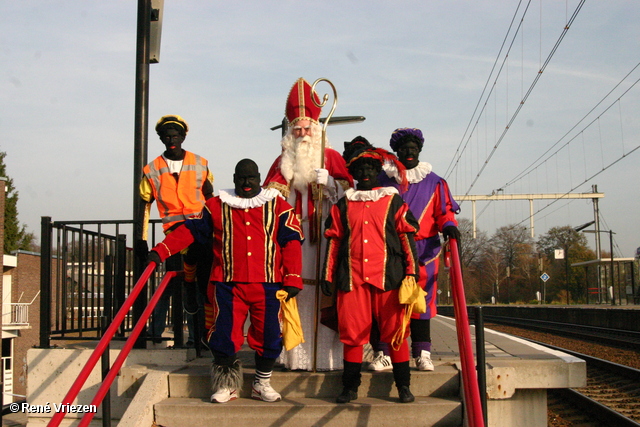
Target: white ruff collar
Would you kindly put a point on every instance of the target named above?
(414, 175)
(369, 195)
(265, 195)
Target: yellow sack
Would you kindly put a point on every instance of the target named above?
(291, 327)
(412, 294)
(413, 297)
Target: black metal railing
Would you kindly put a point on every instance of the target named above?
(86, 274)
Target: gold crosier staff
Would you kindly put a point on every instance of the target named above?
(325, 98)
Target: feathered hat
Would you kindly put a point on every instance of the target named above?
(172, 118)
(300, 105)
(382, 156)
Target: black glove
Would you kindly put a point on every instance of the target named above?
(291, 290)
(153, 256)
(142, 249)
(451, 232)
(325, 287)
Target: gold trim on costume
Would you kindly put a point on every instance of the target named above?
(344, 183)
(315, 191)
(282, 188)
(166, 247)
(269, 224)
(227, 241)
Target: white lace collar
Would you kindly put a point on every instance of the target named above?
(265, 195)
(414, 175)
(369, 195)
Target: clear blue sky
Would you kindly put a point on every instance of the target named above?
(68, 83)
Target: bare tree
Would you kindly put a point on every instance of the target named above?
(515, 247)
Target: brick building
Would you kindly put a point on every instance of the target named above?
(19, 288)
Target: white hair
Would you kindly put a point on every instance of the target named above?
(301, 156)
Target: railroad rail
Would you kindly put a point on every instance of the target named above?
(616, 327)
(617, 337)
(612, 394)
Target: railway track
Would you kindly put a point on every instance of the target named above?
(615, 337)
(612, 394)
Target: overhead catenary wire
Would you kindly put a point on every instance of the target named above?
(580, 184)
(458, 153)
(595, 120)
(524, 99)
(535, 162)
(577, 176)
(616, 247)
(530, 169)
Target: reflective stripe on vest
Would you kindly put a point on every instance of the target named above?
(177, 200)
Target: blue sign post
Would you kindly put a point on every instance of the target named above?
(544, 278)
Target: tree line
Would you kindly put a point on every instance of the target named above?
(506, 267)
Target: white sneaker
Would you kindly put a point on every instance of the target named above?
(224, 395)
(424, 363)
(380, 362)
(262, 390)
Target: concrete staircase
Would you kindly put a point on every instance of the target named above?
(309, 400)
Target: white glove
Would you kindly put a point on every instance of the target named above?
(322, 176)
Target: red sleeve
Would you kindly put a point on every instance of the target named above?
(405, 221)
(444, 215)
(292, 264)
(174, 242)
(407, 226)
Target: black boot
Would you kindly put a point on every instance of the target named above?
(402, 377)
(350, 381)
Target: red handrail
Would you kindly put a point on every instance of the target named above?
(106, 339)
(469, 377)
(113, 371)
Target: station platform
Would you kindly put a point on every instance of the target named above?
(172, 387)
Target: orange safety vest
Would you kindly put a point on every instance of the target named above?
(178, 199)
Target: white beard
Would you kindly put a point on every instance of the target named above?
(300, 158)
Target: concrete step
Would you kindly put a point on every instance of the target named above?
(444, 381)
(301, 412)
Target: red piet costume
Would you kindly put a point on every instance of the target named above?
(256, 250)
(372, 264)
(371, 250)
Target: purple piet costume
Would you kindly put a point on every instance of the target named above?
(431, 202)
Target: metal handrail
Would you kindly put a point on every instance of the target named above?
(470, 390)
(108, 379)
(108, 335)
